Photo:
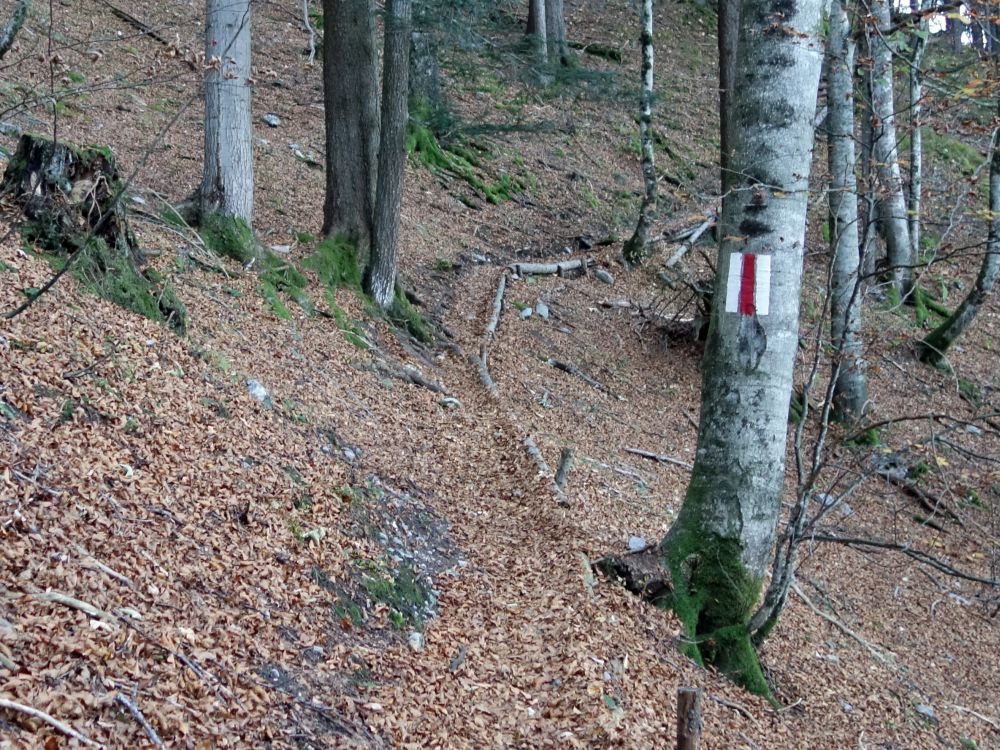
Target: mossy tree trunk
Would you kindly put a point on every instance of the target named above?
(635, 248)
(380, 276)
(8, 32)
(227, 183)
(850, 395)
(350, 93)
(718, 548)
(935, 346)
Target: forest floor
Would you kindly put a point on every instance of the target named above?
(357, 560)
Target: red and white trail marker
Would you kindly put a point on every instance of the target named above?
(748, 288)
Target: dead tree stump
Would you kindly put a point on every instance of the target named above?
(688, 718)
(71, 198)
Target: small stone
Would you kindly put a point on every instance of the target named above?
(636, 544)
(477, 258)
(258, 391)
(604, 276)
(846, 510)
(607, 676)
(272, 121)
(417, 641)
(584, 242)
(526, 313)
(542, 310)
(926, 711)
(449, 402)
(846, 706)
(825, 499)
(350, 455)
(283, 249)
(973, 430)
(138, 200)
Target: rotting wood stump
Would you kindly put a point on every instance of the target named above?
(67, 191)
(71, 198)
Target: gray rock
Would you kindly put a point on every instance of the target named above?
(846, 510)
(526, 313)
(417, 641)
(542, 310)
(350, 455)
(636, 544)
(283, 249)
(259, 392)
(604, 276)
(973, 430)
(449, 402)
(846, 706)
(272, 121)
(926, 711)
(138, 200)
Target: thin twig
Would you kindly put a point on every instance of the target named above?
(660, 459)
(50, 720)
(886, 657)
(137, 715)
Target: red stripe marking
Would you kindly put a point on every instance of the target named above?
(748, 278)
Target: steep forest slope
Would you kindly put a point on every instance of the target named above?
(298, 525)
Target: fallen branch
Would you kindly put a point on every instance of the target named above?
(137, 715)
(992, 722)
(691, 240)
(50, 720)
(406, 373)
(69, 601)
(916, 554)
(491, 326)
(484, 373)
(104, 568)
(660, 459)
(550, 269)
(741, 710)
(886, 657)
(606, 51)
(930, 502)
(577, 372)
(562, 471)
(543, 468)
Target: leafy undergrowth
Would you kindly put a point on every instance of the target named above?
(264, 534)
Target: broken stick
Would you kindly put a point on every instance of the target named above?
(549, 269)
(660, 459)
(50, 720)
(577, 372)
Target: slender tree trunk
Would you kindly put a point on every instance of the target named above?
(719, 547)
(955, 29)
(892, 213)
(729, 30)
(8, 32)
(635, 248)
(918, 43)
(227, 184)
(850, 393)
(555, 31)
(868, 174)
(935, 346)
(537, 30)
(380, 276)
(350, 90)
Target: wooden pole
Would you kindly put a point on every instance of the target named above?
(688, 718)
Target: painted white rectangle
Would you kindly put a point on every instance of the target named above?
(733, 282)
(762, 287)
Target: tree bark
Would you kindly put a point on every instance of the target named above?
(955, 30)
(935, 346)
(635, 248)
(688, 718)
(729, 29)
(892, 208)
(380, 276)
(555, 31)
(718, 549)
(850, 393)
(227, 184)
(8, 33)
(918, 43)
(350, 91)
(537, 30)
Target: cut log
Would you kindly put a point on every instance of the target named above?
(551, 269)
(688, 718)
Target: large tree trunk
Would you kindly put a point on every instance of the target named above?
(538, 31)
(850, 393)
(718, 548)
(892, 207)
(380, 276)
(555, 31)
(350, 91)
(227, 185)
(635, 248)
(935, 346)
(8, 33)
(729, 29)
(918, 43)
